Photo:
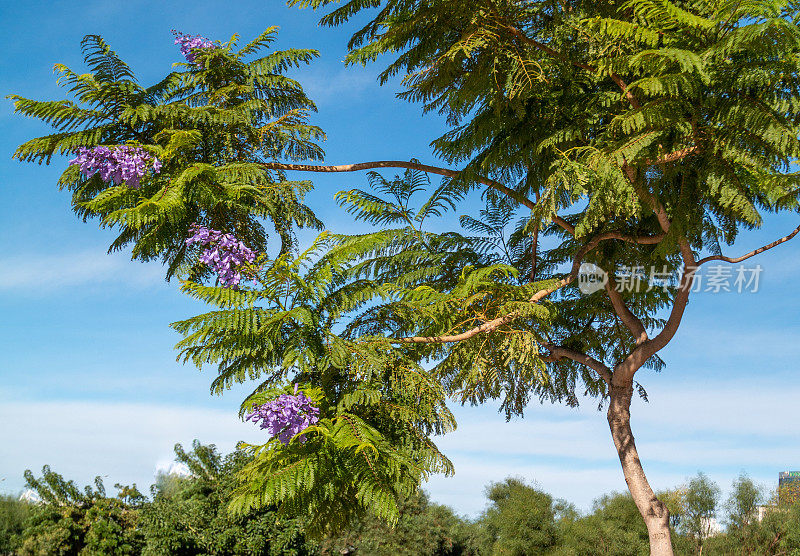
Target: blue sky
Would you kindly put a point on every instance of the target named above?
(88, 378)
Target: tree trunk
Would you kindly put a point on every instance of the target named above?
(654, 512)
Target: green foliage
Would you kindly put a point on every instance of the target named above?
(423, 529)
(715, 81)
(188, 516)
(777, 533)
(13, 513)
(378, 405)
(699, 502)
(533, 97)
(613, 527)
(519, 521)
(743, 503)
(533, 113)
(71, 521)
(211, 127)
(631, 118)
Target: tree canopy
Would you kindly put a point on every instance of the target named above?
(210, 123)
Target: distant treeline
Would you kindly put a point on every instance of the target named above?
(186, 515)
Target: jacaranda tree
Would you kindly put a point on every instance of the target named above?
(639, 134)
(153, 161)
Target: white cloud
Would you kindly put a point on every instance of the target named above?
(761, 406)
(725, 410)
(172, 468)
(720, 428)
(125, 441)
(53, 270)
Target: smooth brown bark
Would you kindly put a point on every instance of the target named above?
(654, 512)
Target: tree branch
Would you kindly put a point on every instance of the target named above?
(558, 220)
(493, 324)
(675, 316)
(557, 353)
(657, 208)
(623, 374)
(534, 252)
(641, 240)
(753, 253)
(647, 349)
(521, 199)
(487, 326)
(673, 156)
(559, 56)
(631, 321)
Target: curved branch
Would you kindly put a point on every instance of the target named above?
(753, 253)
(487, 326)
(521, 199)
(657, 208)
(624, 372)
(494, 324)
(690, 265)
(641, 240)
(647, 349)
(675, 316)
(559, 56)
(557, 352)
(631, 321)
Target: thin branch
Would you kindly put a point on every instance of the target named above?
(647, 349)
(641, 240)
(628, 94)
(651, 347)
(673, 156)
(565, 225)
(558, 220)
(559, 56)
(494, 324)
(558, 352)
(487, 326)
(753, 253)
(631, 321)
(521, 199)
(534, 252)
(649, 198)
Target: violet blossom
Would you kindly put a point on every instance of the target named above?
(190, 45)
(286, 416)
(224, 253)
(123, 164)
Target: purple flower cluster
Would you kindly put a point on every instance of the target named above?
(190, 44)
(286, 416)
(224, 253)
(116, 164)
